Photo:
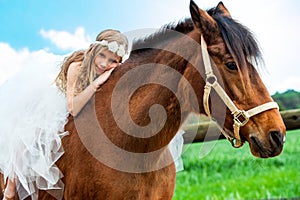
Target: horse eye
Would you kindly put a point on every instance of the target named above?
(231, 66)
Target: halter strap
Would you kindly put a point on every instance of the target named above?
(240, 117)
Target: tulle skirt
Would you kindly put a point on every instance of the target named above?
(33, 113)
(175, 147)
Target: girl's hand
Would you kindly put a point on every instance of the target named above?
(102, 78)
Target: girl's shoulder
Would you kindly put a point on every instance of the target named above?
(74, 67)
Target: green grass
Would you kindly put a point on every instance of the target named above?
(228, 173)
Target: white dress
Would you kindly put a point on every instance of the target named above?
(33, 113)
(175, 147)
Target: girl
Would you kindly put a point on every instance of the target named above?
(31, 134)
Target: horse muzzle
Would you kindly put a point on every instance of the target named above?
(271, 147)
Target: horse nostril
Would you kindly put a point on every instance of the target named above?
(276, 138)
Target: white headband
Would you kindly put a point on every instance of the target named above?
(113, 47)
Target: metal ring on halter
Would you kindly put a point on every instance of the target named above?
(240, 118)
(233, 143)
(211, 79)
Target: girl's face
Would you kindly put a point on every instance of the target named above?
(106, 60)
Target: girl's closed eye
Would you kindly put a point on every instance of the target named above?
(113, 61)
(102, 55)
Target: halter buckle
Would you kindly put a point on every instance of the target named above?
(240, 118)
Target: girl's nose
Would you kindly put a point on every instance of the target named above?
(104, 63)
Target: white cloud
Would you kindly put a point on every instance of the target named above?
(291, 82)
(9, 65)
(68, 41)
(16, 60)
(23, 59)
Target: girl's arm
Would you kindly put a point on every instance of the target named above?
(76, 103)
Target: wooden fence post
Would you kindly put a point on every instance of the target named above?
(197, 132)
(291, 119)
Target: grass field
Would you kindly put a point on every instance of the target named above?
(228, 173)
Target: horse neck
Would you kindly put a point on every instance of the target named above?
(165, 76)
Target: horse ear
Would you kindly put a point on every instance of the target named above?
(222, 10)
(201, 19)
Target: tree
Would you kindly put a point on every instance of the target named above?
(287, 100)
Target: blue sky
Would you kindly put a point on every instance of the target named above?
(51, 29)
(21, 21)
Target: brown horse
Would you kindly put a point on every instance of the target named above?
(117, 145)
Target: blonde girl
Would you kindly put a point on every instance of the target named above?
(80, 78)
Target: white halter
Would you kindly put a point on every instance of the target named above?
(240, 117)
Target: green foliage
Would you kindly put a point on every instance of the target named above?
(287, 100)
(228, 173)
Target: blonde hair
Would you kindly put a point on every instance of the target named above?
(61, 79)
(87, 73)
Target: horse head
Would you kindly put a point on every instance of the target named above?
(233, 83)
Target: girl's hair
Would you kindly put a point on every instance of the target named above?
(87, 73)
(61, 79)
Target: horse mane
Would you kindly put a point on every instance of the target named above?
(239, 40)
(163, 34)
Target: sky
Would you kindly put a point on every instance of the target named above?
(40, 32)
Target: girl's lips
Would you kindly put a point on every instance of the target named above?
(100, 69)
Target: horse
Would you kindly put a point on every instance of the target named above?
(117, 147)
